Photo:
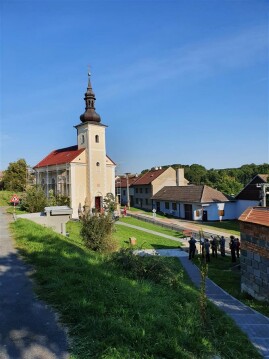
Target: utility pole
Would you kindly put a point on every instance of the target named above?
(264, 192)
(127, 187)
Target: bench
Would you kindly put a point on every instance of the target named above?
(187, 233)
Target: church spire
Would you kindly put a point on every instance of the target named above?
(90, 114)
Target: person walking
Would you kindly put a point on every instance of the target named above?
(233, 248)
(192, 248)
(222, 246)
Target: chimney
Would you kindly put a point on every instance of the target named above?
(180, 180)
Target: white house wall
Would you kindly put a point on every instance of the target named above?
(242, 205)
(212, 210)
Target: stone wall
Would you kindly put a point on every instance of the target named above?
(255, 260)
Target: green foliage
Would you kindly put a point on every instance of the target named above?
(14, 178)
(110, 316)
(156, 269)
(34, 200)
(97, 230)
(109, 203)
(62, 200)
(51, 201)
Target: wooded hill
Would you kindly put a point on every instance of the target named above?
(228, 180)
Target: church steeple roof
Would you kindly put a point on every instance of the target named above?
(90, 114)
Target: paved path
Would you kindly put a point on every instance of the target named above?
(28, 328)
(254, 324)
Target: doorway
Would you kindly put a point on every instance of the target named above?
(98, 204)
(188, 212)
(204, 216)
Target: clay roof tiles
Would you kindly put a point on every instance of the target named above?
(256, 215)
(148, 177)
(60, 156)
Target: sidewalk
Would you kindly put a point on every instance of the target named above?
(28, 327)
(252, 323)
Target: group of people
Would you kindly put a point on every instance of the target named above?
(215, 243)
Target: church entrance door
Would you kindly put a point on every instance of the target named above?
(98, 204)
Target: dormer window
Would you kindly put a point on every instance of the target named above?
(96, 139)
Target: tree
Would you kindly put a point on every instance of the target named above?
(14, 177)
(34, 200)
(109, 202)
(97, 232)
(196, 174)
(229, 185)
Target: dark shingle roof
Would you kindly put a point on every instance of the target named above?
(251, 191)
(200, 194)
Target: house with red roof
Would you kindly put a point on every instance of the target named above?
(82, 172)
(146, 185)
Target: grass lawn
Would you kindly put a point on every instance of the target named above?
(5, 197)
(111, 316)
(151, 226)
(226, 275)
(231, 227)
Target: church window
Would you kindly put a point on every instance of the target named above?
(97, 164)
(96, 138)
(82, 139)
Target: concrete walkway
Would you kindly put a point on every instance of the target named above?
(28, 328)
(254, 324)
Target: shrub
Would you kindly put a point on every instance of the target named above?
(154, 268)
(97, 232)
(34, 200)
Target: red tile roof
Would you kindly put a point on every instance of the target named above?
(60, 156)
(257, 215)
(148, 177)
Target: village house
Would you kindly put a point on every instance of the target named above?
(82, 172)
(199, 203)
(152, 181)
(251, 194)
(254, 258)
(122, 184)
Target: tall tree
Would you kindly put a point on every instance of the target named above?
(14, 178)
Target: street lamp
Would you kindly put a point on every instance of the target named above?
(127, 187)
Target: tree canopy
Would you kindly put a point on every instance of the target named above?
(14, 178)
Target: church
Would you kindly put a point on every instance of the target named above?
(83, 172)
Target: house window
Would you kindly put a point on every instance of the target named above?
(136, 201)
(124, 192)
(147, 201)
(96, 138)
(174, 206)
(141, 190)
(146, 190)
(166, 204)
(136, 190)
(221, 212)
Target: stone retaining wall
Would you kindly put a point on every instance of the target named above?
(255, 260)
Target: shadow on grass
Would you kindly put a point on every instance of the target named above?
(111, 316)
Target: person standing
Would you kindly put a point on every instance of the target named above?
(233, 248)
(214, 246)
(237, 247)
(222, 246)
(207, 250)
(192, 248)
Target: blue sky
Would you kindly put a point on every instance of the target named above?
(176, 81)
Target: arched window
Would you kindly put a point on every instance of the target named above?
(82, 140)
(96, 138)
